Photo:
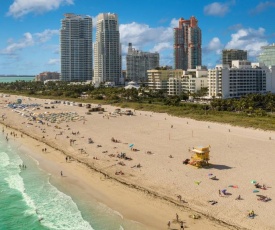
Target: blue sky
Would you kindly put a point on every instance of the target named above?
(29, 38)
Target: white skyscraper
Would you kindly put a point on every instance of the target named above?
(107, 50)
(76, 48)
(138, 62)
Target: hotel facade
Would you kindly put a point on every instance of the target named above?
(76, 48)
(107, 50)
(138, 62)
(267, 55)
(229, 55)
(187, 44)
(243, 78)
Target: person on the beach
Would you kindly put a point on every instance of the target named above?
(169, 224)
(251, 214)
(220, 194)
(239, 197)
(61, 173)
(177, 217)
(181, 225)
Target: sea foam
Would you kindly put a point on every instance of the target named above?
(4, 159)
(58, 209)
(16, 182)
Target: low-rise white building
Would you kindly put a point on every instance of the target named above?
(158, 79)
(194, 80)
(177, 81)
(191, 81)
(242, 78)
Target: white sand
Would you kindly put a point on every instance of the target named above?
(237, 157)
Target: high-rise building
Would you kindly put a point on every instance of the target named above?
(107, 50)
(76, 48)
(229, 55)
(187, 44)
(139, 62)
(268, 55)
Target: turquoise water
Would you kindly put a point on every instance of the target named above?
(13, 79)
(29, 201)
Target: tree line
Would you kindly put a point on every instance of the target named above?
(251, 104)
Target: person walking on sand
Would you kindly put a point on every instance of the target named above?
(181, 225)
(177, 217)
(61, 173)
(169, 224)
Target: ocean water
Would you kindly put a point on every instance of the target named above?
(13, 79)
(29, 201)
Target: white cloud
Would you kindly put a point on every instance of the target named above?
(262, 6)
(13, 47)
(217, 8)
(215, 45)
(27, 41)
(143, 37)
(53, 61)
(174, 23)
(161, 46)
(212, 52)
(94, 21)
(46, 35)
(20, 8)
(248, 39)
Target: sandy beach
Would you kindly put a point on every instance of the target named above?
(145, 185)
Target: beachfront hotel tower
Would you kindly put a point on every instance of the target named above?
(76, 48)
(187, 44)
(229, 55)
(107, 50)
(138, 62)
(267, 55)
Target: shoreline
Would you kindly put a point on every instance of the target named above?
(142, 192)
(155, 195)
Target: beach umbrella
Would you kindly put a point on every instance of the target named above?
(131, 145)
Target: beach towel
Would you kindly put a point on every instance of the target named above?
(233, 186)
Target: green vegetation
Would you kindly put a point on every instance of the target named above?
(254, 110)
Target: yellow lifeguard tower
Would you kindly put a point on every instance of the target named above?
(200, 156)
